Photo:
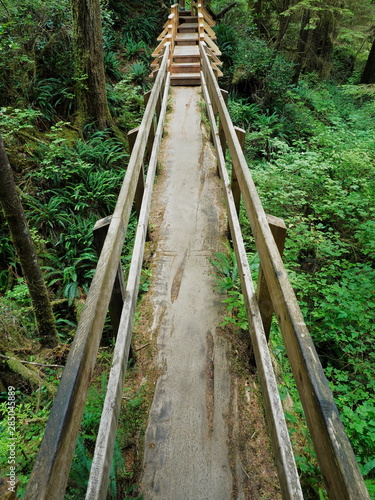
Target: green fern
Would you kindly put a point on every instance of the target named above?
(141, 28)
(138, 73)
(81, 465)
(225, 264)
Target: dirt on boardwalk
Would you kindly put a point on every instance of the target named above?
(205, 420)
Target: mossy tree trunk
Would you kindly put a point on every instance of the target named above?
(89, 64)
(302, 42)
(284, 21)
(261, 12)
(25, 249)
(316, 40)
(321, 43)
(368, 75)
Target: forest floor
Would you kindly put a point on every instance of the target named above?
(206, 436)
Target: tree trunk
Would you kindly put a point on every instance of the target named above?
(284, 22)
(89, 64)
(302, 41)
(259, 16)
(221, 14)
(25, 249)
(320, 43)
(368, 75)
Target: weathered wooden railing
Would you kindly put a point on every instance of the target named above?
(168, 35)
(51, 469)
(334, 453)
(205, 34)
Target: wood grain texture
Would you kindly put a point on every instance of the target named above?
(99, 474)
(51, 469)
(118, 292)
(241, 134)
(282, 449)
(335, 455)
(278, 230)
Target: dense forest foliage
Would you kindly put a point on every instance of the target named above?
(300, 76)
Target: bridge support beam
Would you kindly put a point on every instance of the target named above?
(278, 230)
(132, 136)
(223, 141)
(241, 134)
(118, 293)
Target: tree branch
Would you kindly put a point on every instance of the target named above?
(32, 362)
(221, 14)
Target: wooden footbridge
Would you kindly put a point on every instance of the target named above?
(187, 55)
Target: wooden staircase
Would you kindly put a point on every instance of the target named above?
(187, 32)
(185, 66)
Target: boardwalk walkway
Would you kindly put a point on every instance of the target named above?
(187, 437)
(204, 439)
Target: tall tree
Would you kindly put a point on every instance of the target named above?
(302, 42)
(368, 75)
(89, 63)
(318, 32)
(283, 21)
(25, 249)
(261, 9)
(322, 38)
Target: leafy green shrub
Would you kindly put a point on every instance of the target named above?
(30, 422)
(76, 185)
(260, 72)
(243, 112)
(51, 96)
(135, 49)
(129, 103)
(35, 45)
(323, 187)
(13, 120)
(112, 65)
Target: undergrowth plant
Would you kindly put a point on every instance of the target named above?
(120, 478)
(316, 172)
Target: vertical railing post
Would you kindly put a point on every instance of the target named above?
(241, 134)
(194, 5)
(138, 197)
(151, 135)
(171, 40)
(200, 23)
(175, 12)
(118, 292)
(278, 230)
(223, 140)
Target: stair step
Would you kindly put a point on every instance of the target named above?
(188, 28)
(186, 79)
(185, 67)
(187, 37)
(186, 54)
(187, 19)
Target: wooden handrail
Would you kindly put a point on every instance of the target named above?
(51, 469)
(337, 462)
(282, 448)
(99, 474)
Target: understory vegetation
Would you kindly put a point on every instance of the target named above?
(310, 146)
(310, 149)
(68, 179)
